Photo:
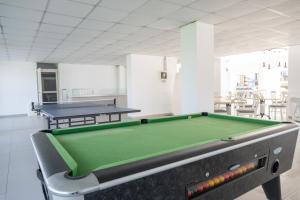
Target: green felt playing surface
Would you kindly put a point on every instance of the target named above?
(98, 149)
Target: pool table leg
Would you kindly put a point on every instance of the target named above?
(272, 189)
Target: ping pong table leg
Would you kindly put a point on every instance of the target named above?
(57, 123)
(49, 122)
(84, 120)
(119, 117)
(109, 117)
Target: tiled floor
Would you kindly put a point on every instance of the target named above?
(17, 164)
(17, 160)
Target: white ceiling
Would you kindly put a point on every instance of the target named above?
(104, 31)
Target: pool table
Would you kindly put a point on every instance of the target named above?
(187, 157)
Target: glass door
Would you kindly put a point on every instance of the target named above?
(49, 86)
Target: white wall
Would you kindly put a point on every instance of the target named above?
(18, 87)
(217, 77)
(101, 78)
(294, 74)
(145, 89)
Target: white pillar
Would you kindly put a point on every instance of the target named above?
(294, 74)
(197, 58)
(121, 79)
(217, 77)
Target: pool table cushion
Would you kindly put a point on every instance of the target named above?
(105, 146)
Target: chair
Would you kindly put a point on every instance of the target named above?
(278, 105)
(219, 109)
(222, 105)
(247, 109)
(262, 105)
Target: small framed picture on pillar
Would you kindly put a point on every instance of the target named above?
(163, 75)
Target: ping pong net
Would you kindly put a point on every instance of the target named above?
(74, 104)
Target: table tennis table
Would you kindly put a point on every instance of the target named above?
(72, 114)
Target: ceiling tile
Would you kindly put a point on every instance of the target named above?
(257, 25)
(56, 28)
(32, 4)
(56, 19)
(19, 24)
(17, 31)
(71, 8)
(274, 22)
(91, 2)
(84, 33)
(186, 15)
(112, 36)
(58, 36)
(69, 46)
(128, 5)
(95, 25)
(138, 19)
(46, 41)
(48, 45)
(169, 35)
(82, 36)
(212, 5)
(230, 25)
(20, 13)
(291, 26)
(19, 42)
(122, 28)
(268, 3)
(261, 15)
(239, 9)
(100, 42)
(287, 6)
(19, 38)
(157, 8)
(106, 14)
(213, 19)
(180, 2)
(142, 34)
(295, 14)
(135, 38)
(166, 24)
(149, 31)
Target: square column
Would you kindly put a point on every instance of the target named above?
(197, 72)
(294, 81)
(121, 79)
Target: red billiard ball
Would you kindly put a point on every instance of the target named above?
(190, 194)
(249, 167)
(205, 186)
(236, 172)
(200, 188)
(231, 175)
(226, 176)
